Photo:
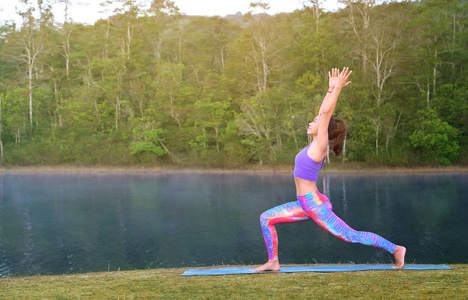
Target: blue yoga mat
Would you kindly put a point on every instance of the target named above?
(321, 269)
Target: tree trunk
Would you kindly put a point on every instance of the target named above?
(1, 141)
(434, 74)
(377, 139)
(30, 78)
(129, 38)
(17, 136)
(216, 128)
(222, 58)
(117, 112)
(428, 94)
(174, 158)
(344, 149)
(57, 105)
(173, 112)
(66, 53)
(106, 44)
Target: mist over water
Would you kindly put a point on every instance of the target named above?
(69, 223)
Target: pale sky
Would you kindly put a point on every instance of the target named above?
(88, 11)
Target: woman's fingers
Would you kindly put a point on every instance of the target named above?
(347, 75)
(342, 76)
(335, 72)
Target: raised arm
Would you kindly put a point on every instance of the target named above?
(337, 80)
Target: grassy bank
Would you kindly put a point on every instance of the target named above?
(336, 167)
(168, 284)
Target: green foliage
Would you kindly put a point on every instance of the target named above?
(436, 140)
(150, 142)
(156, 86)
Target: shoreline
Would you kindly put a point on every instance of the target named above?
(336, 168)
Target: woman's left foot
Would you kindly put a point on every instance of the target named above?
(271, 265)
(399, 255)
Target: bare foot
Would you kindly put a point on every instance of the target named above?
(271, 265)
(399, 255)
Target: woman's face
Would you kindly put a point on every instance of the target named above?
(313, 126)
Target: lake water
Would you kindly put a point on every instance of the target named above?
(70, 223)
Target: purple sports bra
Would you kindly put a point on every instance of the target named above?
(307, 168)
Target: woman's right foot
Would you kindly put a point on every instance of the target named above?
(399, 255)
(271, 265)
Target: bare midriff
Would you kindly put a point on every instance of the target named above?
(304, 187)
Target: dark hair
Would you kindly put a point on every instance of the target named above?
(336, 134)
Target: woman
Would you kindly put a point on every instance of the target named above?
(311, 204)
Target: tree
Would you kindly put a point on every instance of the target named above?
(169, 90)
(315, 38)
(377, 31)
(262, 46)
(437, 26)
(434, 139)
(1, 140)
(232, 90)
(26, 47)
(161, 15)
(149, 139)
(360, 15)
(262, 120)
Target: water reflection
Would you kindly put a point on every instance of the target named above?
(66, 223)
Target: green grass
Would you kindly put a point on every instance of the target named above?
(168, 284)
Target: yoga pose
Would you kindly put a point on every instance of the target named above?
(311, 204)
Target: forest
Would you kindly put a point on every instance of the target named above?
(154, 87)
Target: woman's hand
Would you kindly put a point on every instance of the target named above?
(332, 77)
(338, 79)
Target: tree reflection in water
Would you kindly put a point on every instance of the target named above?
(67, 223)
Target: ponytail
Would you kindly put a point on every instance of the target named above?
(337, 134)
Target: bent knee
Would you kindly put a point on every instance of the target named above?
(264, 217)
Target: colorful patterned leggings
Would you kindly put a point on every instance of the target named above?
(317, 207)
